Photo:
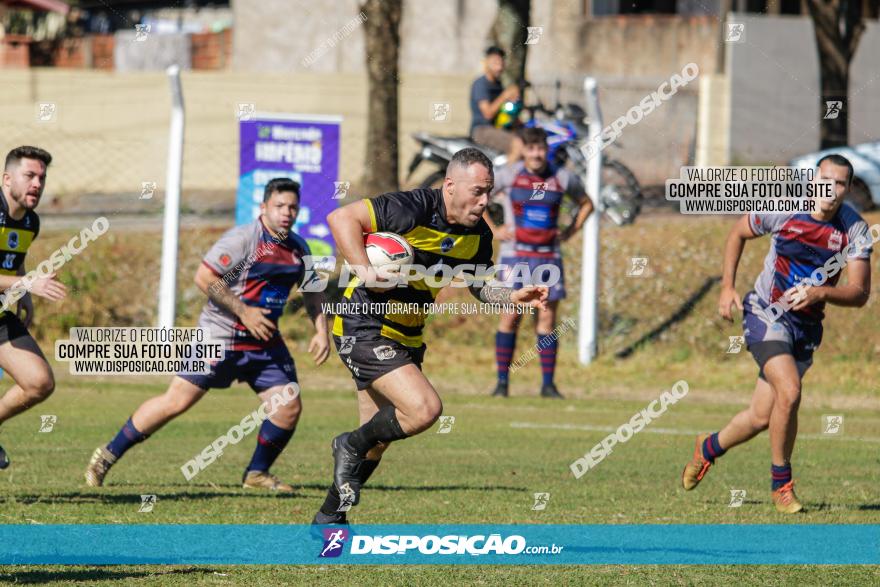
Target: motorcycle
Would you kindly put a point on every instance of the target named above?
(620, 195)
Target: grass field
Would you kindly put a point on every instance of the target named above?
(485, 471)
(499, 452)
(683, 255)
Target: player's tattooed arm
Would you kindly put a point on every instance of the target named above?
(253, 317)
(221, 295)
(492, 294)
(534, 296)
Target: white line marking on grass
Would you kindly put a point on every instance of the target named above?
(673, 431)
(591, 427)
(498, 407)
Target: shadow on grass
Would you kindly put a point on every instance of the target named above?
(683, 312)
(369, 488)
(40, 576)
(827, 507)
(76, 497)
(316, 486)
(129, 498)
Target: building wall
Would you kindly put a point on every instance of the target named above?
(449, 37)
(110, 130)
(649, 45)
(452, 43)
(775, 95)
(631, 56)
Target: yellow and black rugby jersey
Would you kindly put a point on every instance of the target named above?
(420, 217)
(16, 237)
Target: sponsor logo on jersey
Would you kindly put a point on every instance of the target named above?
(12, 241)
(384, 352)
(835, 240)
(274, 302)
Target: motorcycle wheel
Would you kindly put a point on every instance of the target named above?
(435, 180)
(621, 194)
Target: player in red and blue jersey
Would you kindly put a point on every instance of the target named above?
(782, 318)
(532, 195)
(248, 276)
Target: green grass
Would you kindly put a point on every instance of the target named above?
(333, 576)
(682, 254)
(485, 471)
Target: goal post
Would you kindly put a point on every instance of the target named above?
(171, 224)
(589, 302)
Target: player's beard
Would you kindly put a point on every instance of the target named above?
(28, 202)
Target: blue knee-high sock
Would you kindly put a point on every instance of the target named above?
(505, 342)
(779, 476)
(127, 437)
(711, 448)
(547, 347)
(270, 442)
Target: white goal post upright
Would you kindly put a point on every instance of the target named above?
(168, 278)
(589, 306)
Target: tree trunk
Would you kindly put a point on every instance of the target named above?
(510, 31)
(838, 28)
(382, 32)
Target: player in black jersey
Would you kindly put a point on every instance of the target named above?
(384, 351)
(24, 178)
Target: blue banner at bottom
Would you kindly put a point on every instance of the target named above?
(441, 544)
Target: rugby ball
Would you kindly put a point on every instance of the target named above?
(387, 249)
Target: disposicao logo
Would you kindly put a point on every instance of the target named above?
(334, 539)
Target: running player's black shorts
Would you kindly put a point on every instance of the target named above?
(369, 356)
(11, 327)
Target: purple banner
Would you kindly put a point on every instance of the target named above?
(304, 148)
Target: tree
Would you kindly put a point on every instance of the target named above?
(838, 26)
(509, 31)
(382, 32)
